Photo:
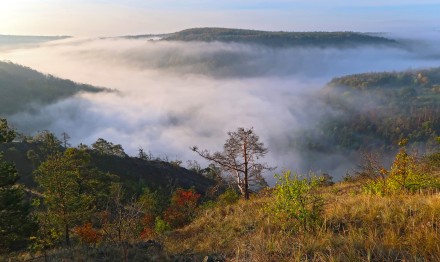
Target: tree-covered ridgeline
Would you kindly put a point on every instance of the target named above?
(22, 88)
(274, 39)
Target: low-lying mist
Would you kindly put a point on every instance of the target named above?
(173, 95)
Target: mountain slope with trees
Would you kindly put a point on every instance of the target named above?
(374, 111)
(73, 188)
(89, 203)
(22, 88)
(303, 217)
(135, 172)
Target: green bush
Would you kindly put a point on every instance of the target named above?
(230, 196)
(297, 203)
(161, 226)
(406, 175)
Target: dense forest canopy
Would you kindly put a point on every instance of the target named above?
(428, 78)
(135, 172)
(376, 110)
(275, 39)
(22, 87)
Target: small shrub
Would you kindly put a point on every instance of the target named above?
(182, 209)
(230, 196)
(148, 224)
(87, 234)
(297, 204)
(161, 226)
(406, 175)
(207, 205)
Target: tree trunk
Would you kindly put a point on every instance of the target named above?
(246, 186)
(246, 171)
(67, 234)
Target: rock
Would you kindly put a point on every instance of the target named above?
(150, 244)
(214, 258)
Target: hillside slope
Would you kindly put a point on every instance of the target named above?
(376, 110)
(134, 172)
(22, 88)
(379, 229)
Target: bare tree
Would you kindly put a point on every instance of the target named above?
(121, 222)
(240, 156)
(65, 140)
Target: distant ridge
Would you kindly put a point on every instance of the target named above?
(22, 88)
(27, 39)
(272, 38)
(423, 79)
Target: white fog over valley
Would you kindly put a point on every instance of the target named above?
(169, 96)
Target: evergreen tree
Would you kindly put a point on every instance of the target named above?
(15, 222)
(61, 178)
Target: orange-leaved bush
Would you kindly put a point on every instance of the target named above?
(183, 207)
(87, 234)
(148, 226)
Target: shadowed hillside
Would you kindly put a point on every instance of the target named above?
(22, 88)
(135, 172)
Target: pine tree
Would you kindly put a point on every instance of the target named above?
(15, 222)
(61, 179)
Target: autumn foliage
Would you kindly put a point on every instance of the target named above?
(182, 208)
(148, 226)
(87, 234)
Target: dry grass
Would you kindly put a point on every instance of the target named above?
(356, 227)
(104, 252)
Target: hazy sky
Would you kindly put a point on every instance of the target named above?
(112, 17)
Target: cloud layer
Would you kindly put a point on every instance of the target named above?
(175, 95)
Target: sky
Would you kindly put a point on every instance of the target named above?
(123, 17)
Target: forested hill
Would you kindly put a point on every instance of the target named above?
(374, 111)
(22, 87)
(274, 39)
(114, 165)
(427, 80)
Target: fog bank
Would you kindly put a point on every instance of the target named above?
(172, 95)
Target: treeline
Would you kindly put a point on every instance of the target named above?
(429, 78)
(376, 110)
(73, 198)
(22, 88)
(136, 172)
(276, 39)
